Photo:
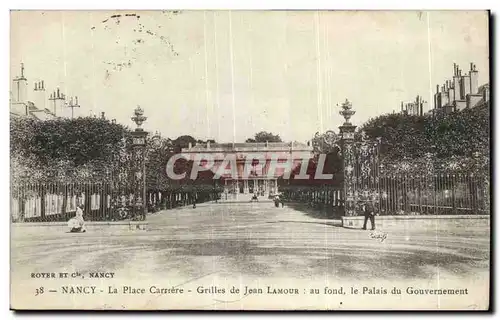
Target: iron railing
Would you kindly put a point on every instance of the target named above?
(433, 194)
(406, 194)
(58, 201)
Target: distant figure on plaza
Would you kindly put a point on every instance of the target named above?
(277, 201)
(368, 210)
(77, 224)
(255, 198)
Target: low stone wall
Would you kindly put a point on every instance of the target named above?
(420, 220)
(90, 225)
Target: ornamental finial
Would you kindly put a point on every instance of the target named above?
(139, 117)
(347, 111)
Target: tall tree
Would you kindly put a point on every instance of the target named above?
(183, 142)
(264, 136)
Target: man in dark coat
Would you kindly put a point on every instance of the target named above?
(369, 212)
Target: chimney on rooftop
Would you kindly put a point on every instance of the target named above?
(474, 79)
(39, 96)
(58, 103)
(20, 87)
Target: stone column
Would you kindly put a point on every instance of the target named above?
(347, 144)
(245, 186)
(236, 189)
(226, 190)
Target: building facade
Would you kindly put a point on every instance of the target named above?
(257, 179)
(462, 91)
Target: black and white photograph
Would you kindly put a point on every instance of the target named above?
(250, 160)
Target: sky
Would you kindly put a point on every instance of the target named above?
(226, 75)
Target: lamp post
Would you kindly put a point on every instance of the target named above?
(139, 164)
(347, 144)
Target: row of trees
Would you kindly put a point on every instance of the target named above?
(458, 134)
(90, 148)
(67, 148)
(61, 147)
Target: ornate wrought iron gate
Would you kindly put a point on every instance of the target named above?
(129, 183)
(409, 186)
(361, 175)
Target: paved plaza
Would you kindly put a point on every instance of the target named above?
(254, 240)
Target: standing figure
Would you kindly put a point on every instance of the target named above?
(369, 212)
(195, 199)
(77, 224)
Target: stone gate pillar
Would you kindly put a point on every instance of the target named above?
(348, 156)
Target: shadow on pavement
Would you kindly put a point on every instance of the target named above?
(316, 213)
(333, 223)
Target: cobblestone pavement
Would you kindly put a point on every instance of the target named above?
(254, 240)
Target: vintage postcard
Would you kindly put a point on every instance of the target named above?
(250, 160)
